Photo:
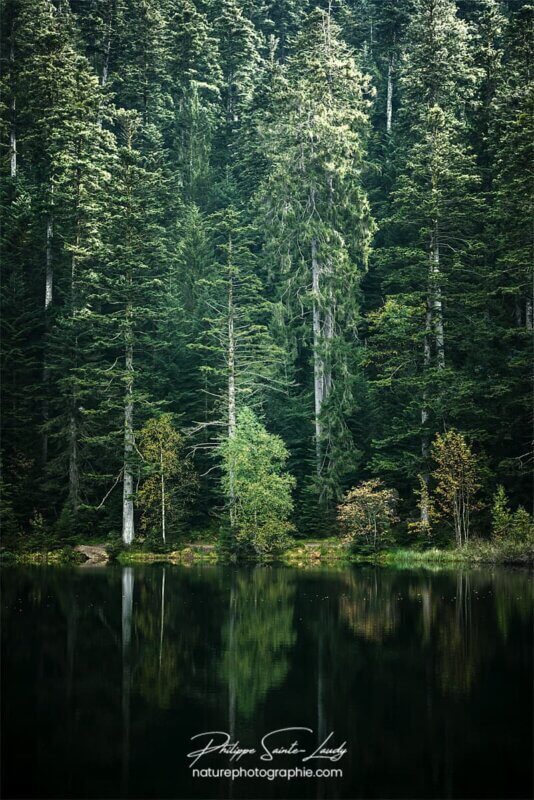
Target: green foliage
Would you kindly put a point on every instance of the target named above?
(456, 477)
(320, 227)
(257, 489)
(257, 636)
(169, 482)
(367, 514)
(508, 526)
(319, 215)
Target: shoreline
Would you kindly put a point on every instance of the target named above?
(307, 554)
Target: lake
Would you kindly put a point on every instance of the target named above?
(423, 677)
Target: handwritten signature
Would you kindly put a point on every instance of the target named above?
(274, 743)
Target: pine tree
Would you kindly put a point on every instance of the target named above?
(127, 303)
(433, 215)
(194, 80)
(238, 353)
(319, 220)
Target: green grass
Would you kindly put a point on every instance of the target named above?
(302, 554)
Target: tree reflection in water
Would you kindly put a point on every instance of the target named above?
(118, 667)
(256, 637)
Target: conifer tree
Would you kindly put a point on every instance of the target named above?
(319, 219)
(128, 300)
(433, 211)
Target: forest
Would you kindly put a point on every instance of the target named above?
(267, 272)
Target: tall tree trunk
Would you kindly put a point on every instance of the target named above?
(48, 297)
(389, 97)
(12, 110)
(232, 419)
(436, 302)
(529, 317)
(49, 273)
(74, 473)
(232, 414)
(162, 495)
(128, 482)
(328, 336)
(318, 364)
(425, 443)
(434, 328)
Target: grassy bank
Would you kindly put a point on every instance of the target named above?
(305, 554)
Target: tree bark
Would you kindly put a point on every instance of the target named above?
(232, 415)
(389, 98)
(128, 483)
(529, 317)
(12, 110)
(49, 274)
(318, 364)
(162, 496)
(436, 302)
(232, 419)
(48, 297)
(74, 474)
(425, 444)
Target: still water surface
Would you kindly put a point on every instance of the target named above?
(109, 672)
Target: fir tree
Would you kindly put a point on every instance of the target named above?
(319, 220)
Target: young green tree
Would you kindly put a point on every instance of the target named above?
(257, 489)
(456, 476)
(169, 481)
(367, 514)
(510, 526)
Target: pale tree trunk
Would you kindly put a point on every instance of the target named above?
(162, 495)
(434, 328)
(232, 415)
(425, 444)
(518, 312)
(389, 98)
(329, 318)
(74, 473)
(12, 111)
(436, 302)
(48, 297)
(328, 337)
(529, 317)
(128, 482)
(49, 274)
(318, 365)
(232, 420)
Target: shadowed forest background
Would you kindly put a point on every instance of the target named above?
(258, 252)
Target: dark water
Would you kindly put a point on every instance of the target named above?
(108, 673)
